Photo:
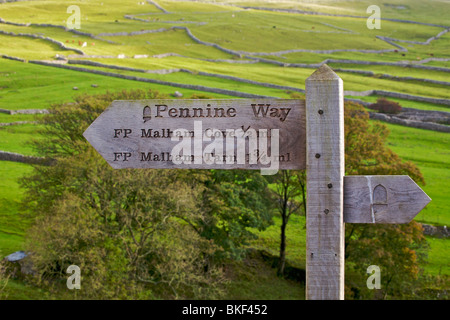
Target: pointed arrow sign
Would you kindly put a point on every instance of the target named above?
(143, 133)
(382, 199)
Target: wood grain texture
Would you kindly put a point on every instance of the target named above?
(140, 150)
(382, 199)
(325, 185)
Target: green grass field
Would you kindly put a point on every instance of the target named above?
(251, 32)
(430, 150)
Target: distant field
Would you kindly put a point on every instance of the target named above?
(293, 77)
(27, 48)
(399, 71)
(5, 118)
(430, 11)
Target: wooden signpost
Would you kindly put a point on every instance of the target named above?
(325, 171)
(267, 135)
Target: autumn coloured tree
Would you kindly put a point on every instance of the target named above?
(396, 249)
(366, 152)
(289, 198)
(134, 233)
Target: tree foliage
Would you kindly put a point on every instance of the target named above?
(366, 151)
(134, 233)
(396, 249)
(164, 233)
(383, 105)
(233, 202)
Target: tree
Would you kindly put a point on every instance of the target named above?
(119, 226)
(133, 233)
(234, 202)
(289, 186)
(396, 249)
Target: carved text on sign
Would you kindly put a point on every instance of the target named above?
(202, 134)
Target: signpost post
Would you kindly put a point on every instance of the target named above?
(268, 135)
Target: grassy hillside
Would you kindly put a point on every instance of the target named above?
(12, 224)
(431, 152)
(29, 86)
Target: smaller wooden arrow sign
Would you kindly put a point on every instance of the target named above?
(382, 199)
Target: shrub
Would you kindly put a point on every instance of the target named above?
(133, 233)
(125, 229)
(398, 249)
(385, 106)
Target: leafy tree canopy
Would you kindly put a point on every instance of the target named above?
(131, 231)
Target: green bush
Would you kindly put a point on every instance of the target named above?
(133, 233)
